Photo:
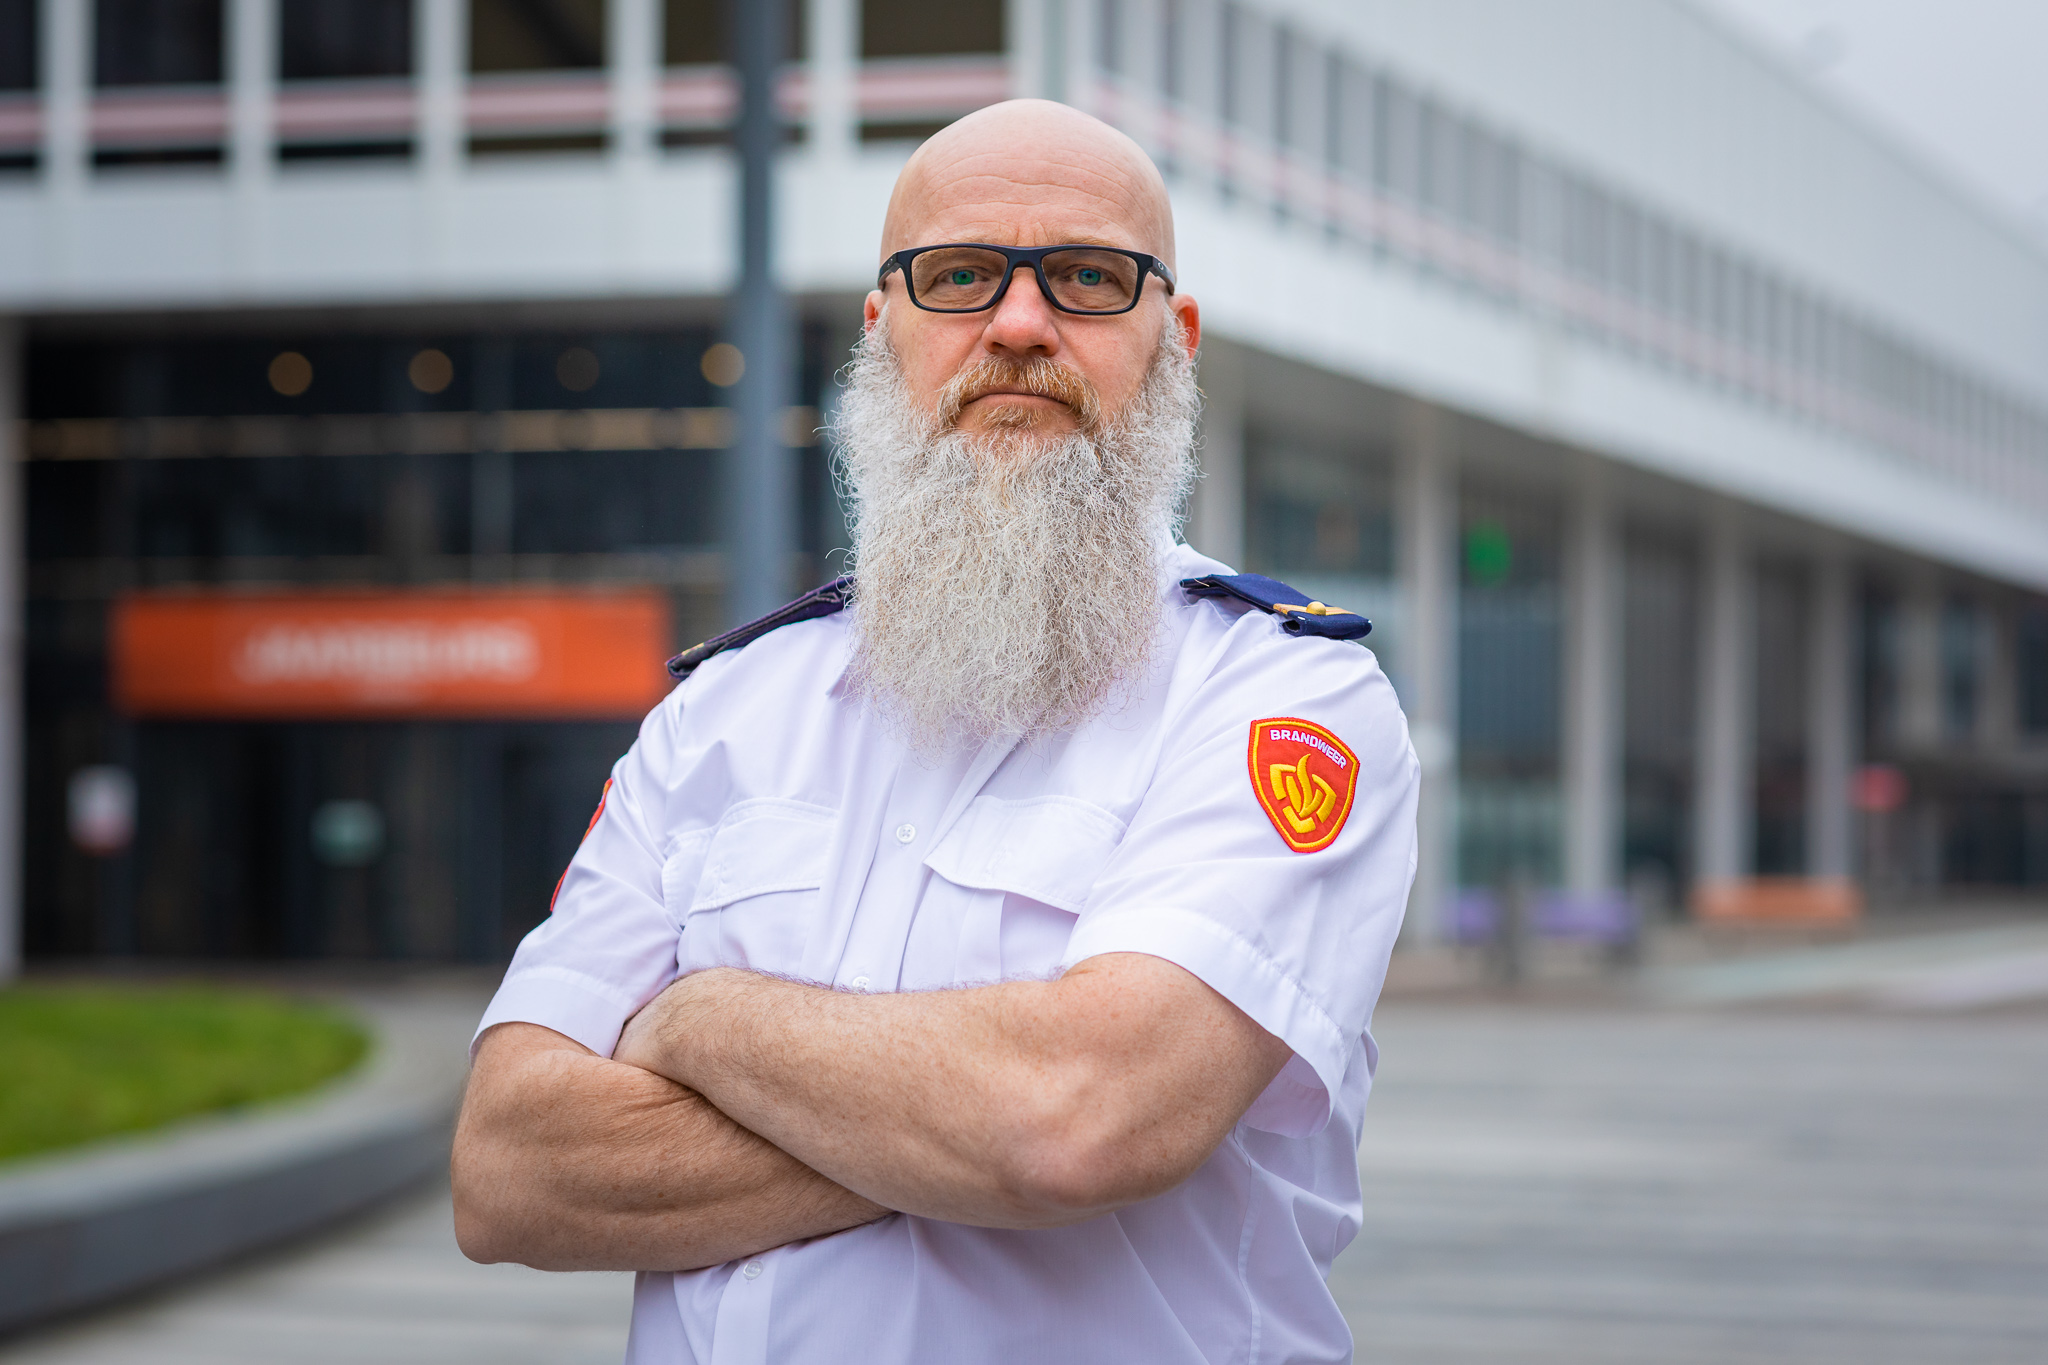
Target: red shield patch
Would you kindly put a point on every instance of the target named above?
(1304, 777)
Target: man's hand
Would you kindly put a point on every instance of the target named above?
(567, 1161)
(1028, 1104)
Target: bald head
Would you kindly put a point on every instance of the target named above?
(1030, 173)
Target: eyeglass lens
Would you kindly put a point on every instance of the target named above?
(967, 277)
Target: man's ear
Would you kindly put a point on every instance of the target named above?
(871, 310)
(1190, 314)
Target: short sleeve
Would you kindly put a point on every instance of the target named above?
(1204, 878)
(608, 945)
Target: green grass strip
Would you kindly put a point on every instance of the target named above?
(83, 1062)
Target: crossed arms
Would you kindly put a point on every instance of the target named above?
(741, 1112)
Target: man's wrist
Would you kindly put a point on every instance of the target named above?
(697, 1014)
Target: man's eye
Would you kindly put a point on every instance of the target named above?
(961, 277)
(1088, 275)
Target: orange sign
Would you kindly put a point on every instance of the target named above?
(312, 655)
(1304, 777)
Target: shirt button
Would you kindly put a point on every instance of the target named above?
(905, 833)
(752, 1270)
(859, 983)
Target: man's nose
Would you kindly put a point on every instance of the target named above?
(1024, 322)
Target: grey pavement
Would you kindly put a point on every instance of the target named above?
(389, 1288)
(1573, 1185)
(1544, 1183)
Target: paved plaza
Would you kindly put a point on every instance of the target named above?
(1545, 1183)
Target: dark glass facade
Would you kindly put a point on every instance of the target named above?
(318, 460)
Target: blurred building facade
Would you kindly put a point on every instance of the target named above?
(1687, 442)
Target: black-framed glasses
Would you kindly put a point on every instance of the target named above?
(967, 277)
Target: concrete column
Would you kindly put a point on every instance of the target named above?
(1216, 514)
(65, 27)
(633, 56)
(1921, 724)
(1031, 37)
(834, 46)
(1080, 27)
(441, 65)
(252, 128)
(633, 52)
(1831, 718)
(1426, 534)
(1724, 807)
(12, 587)
(1592, 688)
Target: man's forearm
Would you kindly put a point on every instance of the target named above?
(565, 1160)
(1027, 1104)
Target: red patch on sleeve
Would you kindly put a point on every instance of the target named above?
(1304, 777)
(595, 815)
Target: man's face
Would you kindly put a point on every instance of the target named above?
(990, 192)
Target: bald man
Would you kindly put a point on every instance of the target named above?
(972, 960)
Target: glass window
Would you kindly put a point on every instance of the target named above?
(693, 32)
(1111, 37)
(1962, 660)
(1509, 637)
(1320, 512)
(157, 42)
(517, 35)
(1173, 49)
(332, 38)
(1659, 639)
(930, 28)
(2032, 660)
(1285, 131)
(1780, 708)
(1355, 99)
(1230, 98)
(18, 44)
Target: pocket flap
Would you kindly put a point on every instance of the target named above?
(1049, 848)
(761, 846)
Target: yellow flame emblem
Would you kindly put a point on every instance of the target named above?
(1305, 799)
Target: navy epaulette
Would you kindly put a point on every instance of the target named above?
(817, 602)
(1298, 615)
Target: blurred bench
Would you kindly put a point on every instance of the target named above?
(1607, 917)
(1779, 903)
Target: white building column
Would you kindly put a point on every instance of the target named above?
(1216, 513)
(251, 42)
(1832, 718)
(65, 29)
(633, 62)
(1426, 534)
(1080, 25)
(1592, 688)
(833, 44)
(633, 56)
(1033, 31)
(1725, 800)
(440, 66)
(12, 587)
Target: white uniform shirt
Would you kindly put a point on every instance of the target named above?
(766, 820)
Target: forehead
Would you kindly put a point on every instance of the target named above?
(1018, 199)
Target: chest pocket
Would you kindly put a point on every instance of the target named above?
(1027, 868)
(747, 893)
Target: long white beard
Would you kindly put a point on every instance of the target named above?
(1006, 582)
